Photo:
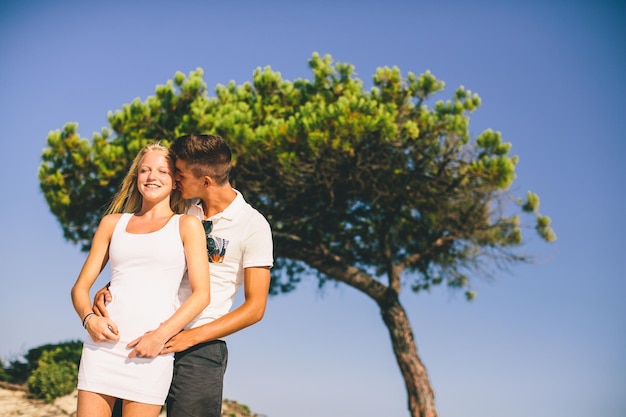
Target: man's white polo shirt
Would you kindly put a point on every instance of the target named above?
(245, 238)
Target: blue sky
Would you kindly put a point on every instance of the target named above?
(541, 340)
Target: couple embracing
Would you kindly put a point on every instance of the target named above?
(180, 242)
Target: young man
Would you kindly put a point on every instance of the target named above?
(240, 249)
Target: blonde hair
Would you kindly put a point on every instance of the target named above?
(128, 199)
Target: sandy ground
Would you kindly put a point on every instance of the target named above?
(15, 403)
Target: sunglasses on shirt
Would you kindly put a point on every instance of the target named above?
(211, 247)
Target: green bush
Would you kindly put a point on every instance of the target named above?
(19, 371)
(52, 378)
(4, 377)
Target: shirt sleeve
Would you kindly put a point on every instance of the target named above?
(258, 247)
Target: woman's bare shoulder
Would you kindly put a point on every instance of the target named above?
(110, 220)
(190, 223)
(189, 220)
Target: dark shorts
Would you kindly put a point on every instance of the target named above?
(198, 381)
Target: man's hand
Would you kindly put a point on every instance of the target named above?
(179, 342)
(102, 297)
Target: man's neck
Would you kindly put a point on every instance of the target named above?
(217, 199)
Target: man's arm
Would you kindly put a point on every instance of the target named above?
(256, 284)
(103, 295)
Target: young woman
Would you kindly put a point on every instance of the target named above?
(150, 245)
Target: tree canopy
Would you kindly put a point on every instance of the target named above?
(380, 188)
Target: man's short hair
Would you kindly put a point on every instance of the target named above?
(205, 155)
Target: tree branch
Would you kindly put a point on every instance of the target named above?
(332, 265)
(413, 259)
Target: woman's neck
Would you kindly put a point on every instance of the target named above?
(159, 210)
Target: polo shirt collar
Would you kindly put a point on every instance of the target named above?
(229, 212)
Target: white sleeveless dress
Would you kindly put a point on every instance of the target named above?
(146, 271)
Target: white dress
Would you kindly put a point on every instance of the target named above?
(146, 271)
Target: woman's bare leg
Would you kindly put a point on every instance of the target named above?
(92, 404)
(135, 409)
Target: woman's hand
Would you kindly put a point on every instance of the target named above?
(149, 345)
(102, 329)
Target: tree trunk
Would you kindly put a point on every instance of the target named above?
(419, 390)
